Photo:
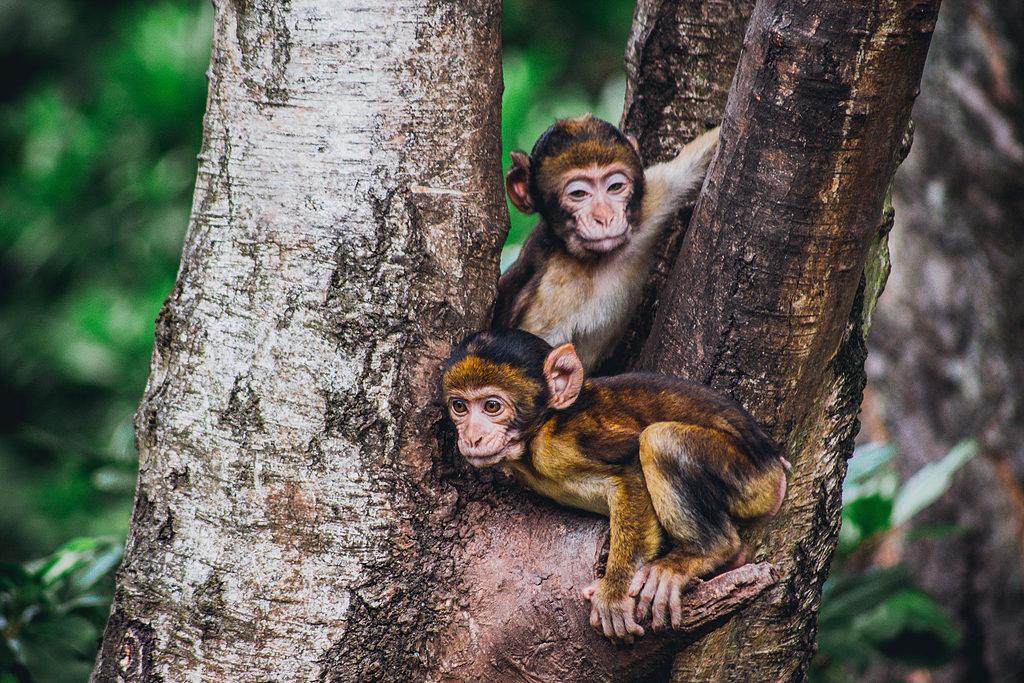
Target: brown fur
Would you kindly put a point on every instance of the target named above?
(670, 462)
(561, 289)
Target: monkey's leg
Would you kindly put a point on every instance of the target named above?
(635, 538)
(685, 467)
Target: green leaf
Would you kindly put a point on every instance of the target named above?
(867, 459)
(870, 514)
(847, 646)
(912, 627)
(848, 596)
(930, 482)
(98, 566)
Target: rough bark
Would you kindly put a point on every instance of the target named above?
(301, 511)
(767, 298)
(288, 523)
(680, 60)
(947, 349)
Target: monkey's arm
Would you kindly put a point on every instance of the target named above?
(635, 540)
(517, 284)
(671, 184)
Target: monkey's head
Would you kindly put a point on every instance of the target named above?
(586, 180)
(500, 386)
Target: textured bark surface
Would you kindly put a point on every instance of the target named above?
(680, 61)
(302, 513)
(947, 350)
(288, 525)
(766, 301)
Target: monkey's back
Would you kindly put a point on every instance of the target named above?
(612, 411)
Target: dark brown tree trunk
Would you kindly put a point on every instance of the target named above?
(948, 346)
(767, 298)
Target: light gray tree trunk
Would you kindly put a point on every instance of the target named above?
(348, 185)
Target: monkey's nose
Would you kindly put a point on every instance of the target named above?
(603, 213)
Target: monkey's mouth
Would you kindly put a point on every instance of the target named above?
(487, 456)
(604, 243)
(484, 460)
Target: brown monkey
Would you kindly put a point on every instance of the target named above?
(580, 273)
(672, 463)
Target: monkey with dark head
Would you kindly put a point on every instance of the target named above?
(581, 272)
(672, 463)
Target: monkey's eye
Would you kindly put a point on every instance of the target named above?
(616, 187)
(492, 406)
(578, 194)
(457, 405)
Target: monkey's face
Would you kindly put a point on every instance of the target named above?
(485, 418)
(596, 200)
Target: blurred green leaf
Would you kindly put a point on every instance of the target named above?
(870, 514)
(867, 617)
(866, 461)
(929, 483)
(849, 595)
(52, 609)
(913, 612)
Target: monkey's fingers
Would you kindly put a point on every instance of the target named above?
(659, 607)
(640, 579)
(614, 618)
(651, 576)
(680, 582)
(625, 626)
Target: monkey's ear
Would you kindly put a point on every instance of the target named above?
(517, 183)
(634, 143)
(564, 373)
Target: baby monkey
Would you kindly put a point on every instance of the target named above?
(582, 270)
(671, 463)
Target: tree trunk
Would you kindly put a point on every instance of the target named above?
(948, 353)
(768, 300)
(302, 512)
(290, 523)
(680, 60)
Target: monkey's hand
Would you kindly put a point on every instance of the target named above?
(612, 616)
(660, 585)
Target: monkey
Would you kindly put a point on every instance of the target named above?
(672, 463)
(580, 273)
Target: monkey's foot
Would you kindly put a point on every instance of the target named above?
(612, 617)
(660, 585)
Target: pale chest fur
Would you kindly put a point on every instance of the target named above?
(548, 474)
(588, 304)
